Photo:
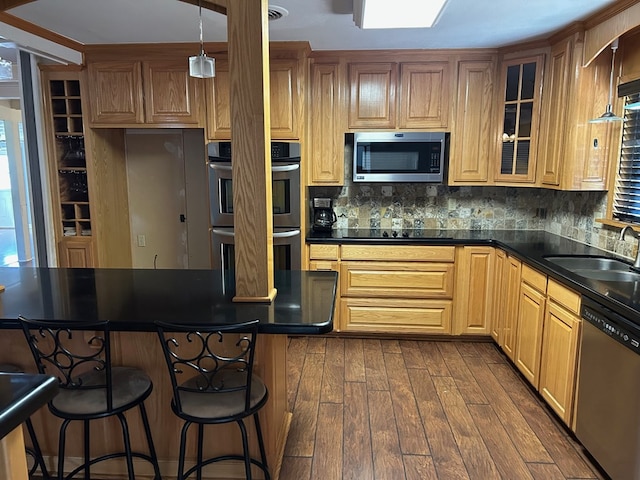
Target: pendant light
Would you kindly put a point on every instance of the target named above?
(608, 115)
(201, 66)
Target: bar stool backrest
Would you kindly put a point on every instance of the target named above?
(211, 359)
(76, 353)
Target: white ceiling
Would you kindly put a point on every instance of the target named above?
(326, 24)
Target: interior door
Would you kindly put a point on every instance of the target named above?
(156, 184)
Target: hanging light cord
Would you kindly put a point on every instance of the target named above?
(201, 37)
(614, 47)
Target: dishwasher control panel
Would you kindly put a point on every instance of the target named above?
(612, 324)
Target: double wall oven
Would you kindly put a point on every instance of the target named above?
(285, 173)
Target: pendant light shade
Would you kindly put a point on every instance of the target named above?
(201, 66)
(608, 115)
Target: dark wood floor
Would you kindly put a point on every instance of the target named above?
(417, 410)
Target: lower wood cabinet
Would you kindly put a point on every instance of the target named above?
(533, 294)
(509, 298)
(76, 253)
(474, 290)
(559, 357)
(326, 258)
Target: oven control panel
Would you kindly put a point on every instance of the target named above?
(612, 324)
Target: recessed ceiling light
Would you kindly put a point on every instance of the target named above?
(396, 14)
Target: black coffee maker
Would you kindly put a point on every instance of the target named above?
(323, 215)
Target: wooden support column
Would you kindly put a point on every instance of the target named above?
(248, 41)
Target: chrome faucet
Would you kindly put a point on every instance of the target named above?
(636, 264)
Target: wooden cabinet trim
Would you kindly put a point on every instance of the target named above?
(324, 252)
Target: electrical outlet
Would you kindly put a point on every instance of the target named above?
(142, 241)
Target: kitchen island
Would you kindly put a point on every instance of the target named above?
(132, 300)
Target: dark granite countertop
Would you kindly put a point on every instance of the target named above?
(530, 246)
(132, 299)
(21, 395)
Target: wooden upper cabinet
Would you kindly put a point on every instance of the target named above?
(472, 139)
(286, 102)
(372, 102)
(424, 95)
(520, 118)
(575, 154)
(326, 132)
(556, 91)
(171, 95)
(115, 92)
(157, 92)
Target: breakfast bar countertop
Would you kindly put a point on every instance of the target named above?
(133, 299)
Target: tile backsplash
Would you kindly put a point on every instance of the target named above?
(426, 206)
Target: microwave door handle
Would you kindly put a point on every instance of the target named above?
(285, 168)
(287, 234)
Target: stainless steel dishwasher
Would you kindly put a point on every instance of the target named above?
(608, 405)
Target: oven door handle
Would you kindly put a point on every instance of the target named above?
(285, 168)
(287, 234)
(223, 233)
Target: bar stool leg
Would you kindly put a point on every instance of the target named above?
(39, 461)
(200, 441)
(245, 449)
(127, 445)
(87, 451)
(152, 449)
(183, 441)
(263, 453)
(61, 446)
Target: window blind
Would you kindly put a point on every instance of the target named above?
(626, 200)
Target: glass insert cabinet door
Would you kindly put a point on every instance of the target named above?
(522, 82)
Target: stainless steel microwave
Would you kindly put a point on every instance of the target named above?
(399, 156)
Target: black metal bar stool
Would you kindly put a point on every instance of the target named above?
(34, 452)
(90, 387)
(214, 384)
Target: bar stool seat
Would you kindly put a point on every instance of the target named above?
(129, 385)
(79, 355)
(35, 452)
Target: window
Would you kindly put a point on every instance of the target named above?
(626, 200)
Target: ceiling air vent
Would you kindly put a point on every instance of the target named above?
(276, 13)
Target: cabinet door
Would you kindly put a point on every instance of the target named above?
(559, 359)
(499, 286)
(556, 92)
(372, 103)
(471, 144)
(170, 93)
(522, 84)
(115, 92)
(326, 130)
(285, 101)
(510, 303)
(474, 294)
(529, 332)
(76, 253)
(424, 95)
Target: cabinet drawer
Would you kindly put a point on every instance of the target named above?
(564, 296)
(402, 253)
(534, 278)
(324, 252)
(397, 316)
(323, 266)
(398, 279)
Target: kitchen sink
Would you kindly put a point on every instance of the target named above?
(597, 268)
